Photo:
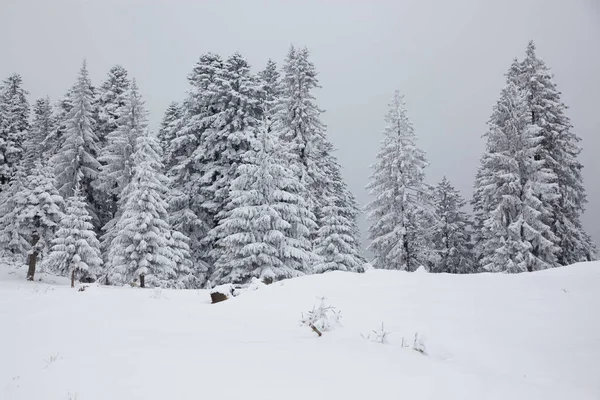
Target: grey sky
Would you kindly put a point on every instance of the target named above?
(448, 57)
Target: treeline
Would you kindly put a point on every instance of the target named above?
(528, 199)
(241, 181)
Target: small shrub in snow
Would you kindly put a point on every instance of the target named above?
(321, 318)
(378, 335)
(419, 344)
(157, 293)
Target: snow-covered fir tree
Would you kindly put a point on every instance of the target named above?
(271, 87)
(76, 161)
(511, 186)
(264, 230)
(42, 127)
(337, 240)
(230, 133)
(145, 247)
(31, 215)
(112, 98)
(171, 124)
(14, 124)
(60, 110)
(75, 250)
(559, 150)
(116, 157)
(187, 156)
(452, 234)
(298, 123)
(401, 210)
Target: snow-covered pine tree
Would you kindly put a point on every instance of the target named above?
(112, 98)
(14, 124)
(298, 123)
(263, 231)
(61, 110)
(75, 161)
(559, 150)
(116, 157)
(510, 183)
(171, 124)
(187, 158)
(401, 203)
(452, 234)
(145, 247)
(38, 208)
(230, 132)
(42, 127)
(337, 240)
(271, 87)
(75, 250)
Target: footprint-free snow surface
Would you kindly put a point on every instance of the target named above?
(488, 336)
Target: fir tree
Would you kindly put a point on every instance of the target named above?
(230, 132)
(75, 251)
(451, 237)
(112, 98)
(298, 123)
(263, 232)
(116, 157)
(14, 124)
(401, 206)
(337, 240)
(76, 160)
(187, 157)
(169, 127)
(511, 183)
(61, 110)
(271, 87)
(559, 150)
(145, 247)
(42, 128)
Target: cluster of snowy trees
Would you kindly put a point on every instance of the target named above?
(528, 196)
(240, 181)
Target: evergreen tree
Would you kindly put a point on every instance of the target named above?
(187, 157)
(263, 231)
(112, 98)
(14, 124)
(75, 251)
(35, 214)
(271, 87)
(169, 127)
(298, 123)
(400, 212)
(116, 157)
(41, 128)
(145, 246)
(337, 240)
(76, 160)
(230, 132)
(559, 150)
(452, 237)
(61, 110)
(511, 183)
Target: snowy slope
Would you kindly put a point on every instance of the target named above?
(529, 336)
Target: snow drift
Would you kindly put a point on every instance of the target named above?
(488, 336)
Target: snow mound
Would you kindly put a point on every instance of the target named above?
(489, 336)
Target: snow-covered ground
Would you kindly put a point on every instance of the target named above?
(529, 336)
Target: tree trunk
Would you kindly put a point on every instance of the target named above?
(73, 278)
(32, 259)
(142, 283)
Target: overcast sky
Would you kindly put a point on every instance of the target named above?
(447, 56)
